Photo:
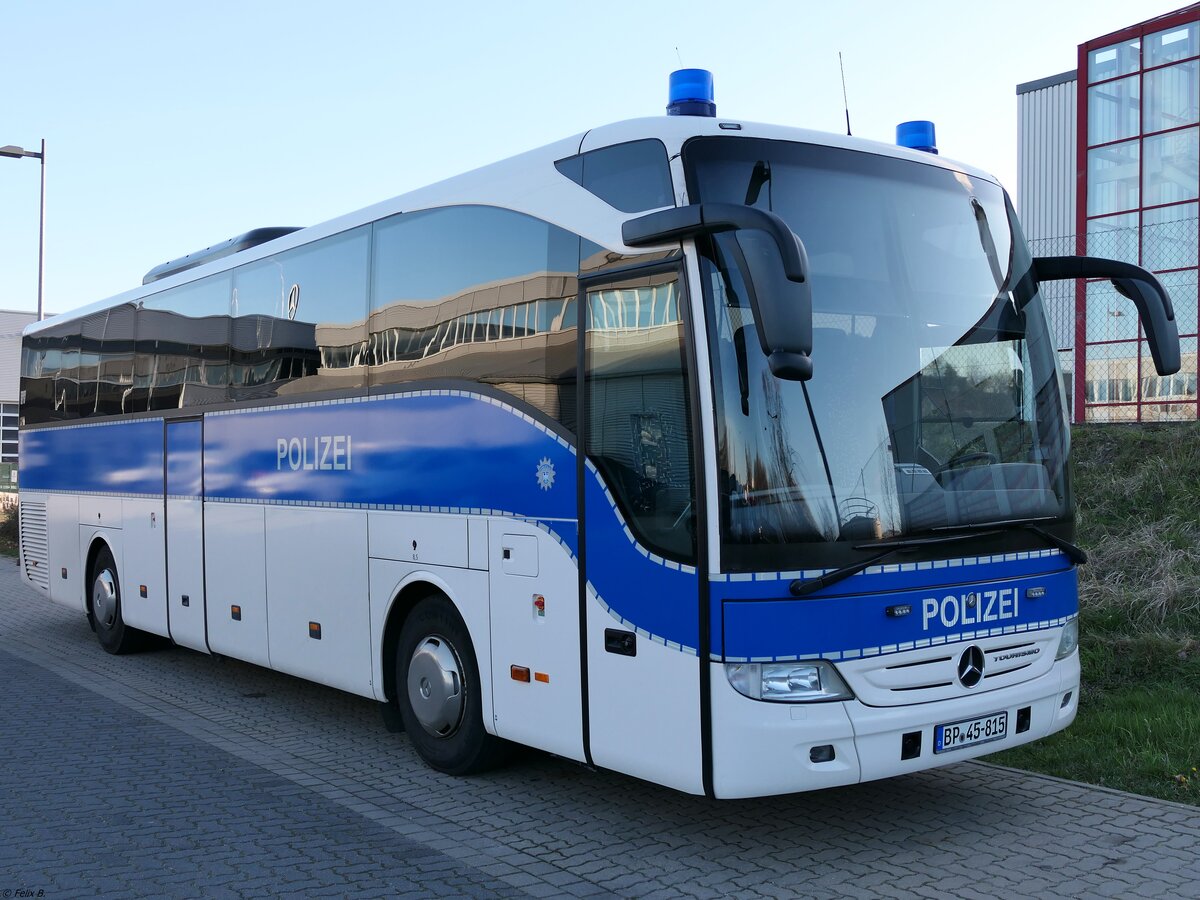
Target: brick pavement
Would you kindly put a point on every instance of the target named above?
(171, 772)
(98, 795)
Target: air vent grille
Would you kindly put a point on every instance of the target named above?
(35, 544)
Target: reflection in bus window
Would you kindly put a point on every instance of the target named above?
(639, 418)
(481, 294)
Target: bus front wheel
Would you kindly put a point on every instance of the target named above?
(438, 691)
(104, 608)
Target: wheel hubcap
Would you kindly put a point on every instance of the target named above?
(104, 599)
(435, 686)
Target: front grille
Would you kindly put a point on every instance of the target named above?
(931, 673)
(927, 673)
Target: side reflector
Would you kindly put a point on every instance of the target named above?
(141, 587)
(314, 630)
(235, 613)
(64, 572)
(520, 673)
(542, 677)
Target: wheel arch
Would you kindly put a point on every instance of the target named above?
(98, 542)
(412, 590)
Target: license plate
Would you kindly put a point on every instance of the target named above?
(970, 732)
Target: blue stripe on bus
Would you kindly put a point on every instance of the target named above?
(851, 626)
(418, 450)
(184, 477)
(117, 457)
(656, 599)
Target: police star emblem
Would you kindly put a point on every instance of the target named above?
(545, 473)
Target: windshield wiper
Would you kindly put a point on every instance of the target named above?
(1075, 554)
(801, 588)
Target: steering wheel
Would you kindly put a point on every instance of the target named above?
(956, 462)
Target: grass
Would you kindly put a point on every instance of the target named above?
(1138, 728)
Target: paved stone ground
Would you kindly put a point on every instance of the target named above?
(173, 773)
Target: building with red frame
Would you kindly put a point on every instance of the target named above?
(1109, 165)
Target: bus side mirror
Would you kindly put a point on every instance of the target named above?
(1147, 293)
(773, 262)
(782, 307)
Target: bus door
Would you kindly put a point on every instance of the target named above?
(184, 478)
(640, 582)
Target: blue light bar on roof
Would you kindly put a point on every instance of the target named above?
(691, 93)
(917, 135)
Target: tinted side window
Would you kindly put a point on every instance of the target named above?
(300, 319)
(38, 366)
(114, 378)
(182, 354)
(169, 350)
(481, 294)
(639, 431)
(50, 369)
(633, 177)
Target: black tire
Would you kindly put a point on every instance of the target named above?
(104, 607)
(437, 675)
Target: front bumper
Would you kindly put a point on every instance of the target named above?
(761, 748)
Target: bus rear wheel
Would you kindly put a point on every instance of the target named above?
(104, 607)
(438, 691)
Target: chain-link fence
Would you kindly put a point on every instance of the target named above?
(1119, 380)
(1058, 297)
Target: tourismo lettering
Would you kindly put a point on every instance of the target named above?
(321, 452)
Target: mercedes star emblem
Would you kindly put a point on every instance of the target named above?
(970, 666)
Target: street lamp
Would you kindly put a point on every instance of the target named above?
(17, 153)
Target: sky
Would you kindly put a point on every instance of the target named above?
(172, 126)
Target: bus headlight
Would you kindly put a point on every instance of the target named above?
(1069, 642)
(788, 682)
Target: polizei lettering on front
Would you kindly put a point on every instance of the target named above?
(973, 608)
(320, 452)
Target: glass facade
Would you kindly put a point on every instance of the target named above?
(1140, 120)
(8, 432)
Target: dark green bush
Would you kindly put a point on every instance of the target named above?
(10, 527)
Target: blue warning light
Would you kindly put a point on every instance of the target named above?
(691, 93)
(917, 135)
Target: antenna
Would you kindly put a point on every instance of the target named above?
(678, 57)
(845, 102)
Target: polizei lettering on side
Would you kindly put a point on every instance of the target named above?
(318, 453)
(971, 608)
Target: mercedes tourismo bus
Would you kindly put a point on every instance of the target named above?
(729, 456)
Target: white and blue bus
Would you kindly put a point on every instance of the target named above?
(729, 456)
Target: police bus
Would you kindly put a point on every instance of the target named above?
(729, 456)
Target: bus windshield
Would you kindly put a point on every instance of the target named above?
(935, 401)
